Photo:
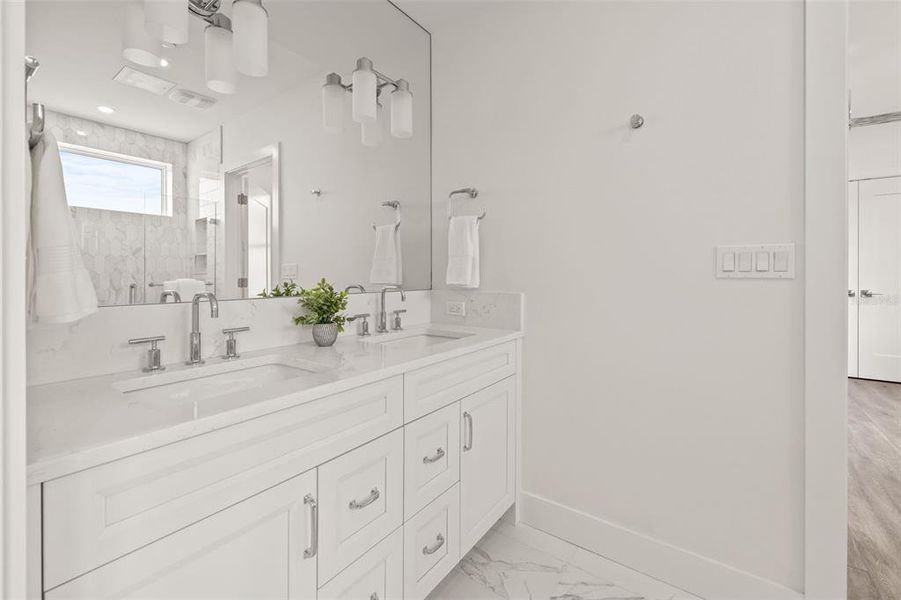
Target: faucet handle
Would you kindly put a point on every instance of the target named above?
(397, 323)
(363, 325)
(231, 344)
(154, 358)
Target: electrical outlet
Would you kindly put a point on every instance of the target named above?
(289, 271)
(457, 309)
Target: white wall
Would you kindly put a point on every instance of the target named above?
(676, 411)
(874, 64)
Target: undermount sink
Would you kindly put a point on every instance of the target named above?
(416, 340)
(204, 382)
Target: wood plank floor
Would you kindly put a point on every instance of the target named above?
(874, 490)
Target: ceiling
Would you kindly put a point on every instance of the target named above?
(78, 44)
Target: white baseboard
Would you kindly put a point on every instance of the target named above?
(679, 567)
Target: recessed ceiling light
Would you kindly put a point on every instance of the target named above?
(106, 110)
(164, 63)
(81, 133)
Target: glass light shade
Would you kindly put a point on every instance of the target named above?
(365, 90)
(402, 111)
(371, 131)
(138, 46)
(219, 60)
(250, 24)
(167, 20)
(333, 104)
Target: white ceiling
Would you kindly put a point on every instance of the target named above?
(79, 46)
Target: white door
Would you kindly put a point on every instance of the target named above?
(852, 277)
(262, 547)
(487, 476)
(879, 278)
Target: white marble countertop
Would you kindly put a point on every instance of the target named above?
(78, 424)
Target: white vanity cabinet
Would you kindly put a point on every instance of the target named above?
(487, 471)
(261, 547)
(372, 492)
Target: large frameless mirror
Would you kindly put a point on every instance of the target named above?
(228, 147)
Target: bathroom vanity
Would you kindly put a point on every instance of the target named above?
(365, 470)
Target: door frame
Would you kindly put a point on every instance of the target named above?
(825, 300)
(261, 156)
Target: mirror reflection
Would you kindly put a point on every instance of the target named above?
(209, 146)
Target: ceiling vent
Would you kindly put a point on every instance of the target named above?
(143, 81)
(189, 98)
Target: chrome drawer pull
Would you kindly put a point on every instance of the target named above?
(439, 541)
(467, 446)
(314, 527)
(439, 454)
(358, 504)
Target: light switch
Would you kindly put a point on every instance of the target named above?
(780, 261)
(289, 271)
(728, 265)
(755, 261)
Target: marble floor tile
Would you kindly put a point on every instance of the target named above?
(518, 562)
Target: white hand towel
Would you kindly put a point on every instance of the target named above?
(387, 259)
(463, 252)
(60, 288)
(187, 288)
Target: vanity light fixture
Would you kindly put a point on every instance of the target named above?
(366, 89)
(251, 34)
(219, 55)
(138, 46)
(231, 46)
(167, 20)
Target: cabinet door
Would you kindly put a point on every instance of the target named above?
(262, 547)
(487, 469)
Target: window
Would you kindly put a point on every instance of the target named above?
(110, 181)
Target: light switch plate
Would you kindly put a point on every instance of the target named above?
(759, 261)
(289, 271)
(458, 309)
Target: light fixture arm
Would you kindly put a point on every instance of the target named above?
(383, 80)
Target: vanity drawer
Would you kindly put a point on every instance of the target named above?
(361, 501)
(429, 388)
(431, 544)
(100, 514)
(377, 574)
(431, 457)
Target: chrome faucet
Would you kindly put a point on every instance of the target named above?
(355, 286)
(381, 319)
(169, 294)
(195, 352)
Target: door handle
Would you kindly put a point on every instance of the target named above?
(439, 454)
(869, 294)
(314, 527)
(467, 445)
(851, 293)
(358, 504)
(439, 541)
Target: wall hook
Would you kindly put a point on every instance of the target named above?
(636, 121)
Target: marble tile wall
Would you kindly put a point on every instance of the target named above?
(122, 248)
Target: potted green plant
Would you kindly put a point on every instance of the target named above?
(322, 309)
